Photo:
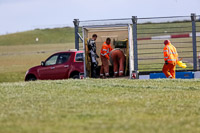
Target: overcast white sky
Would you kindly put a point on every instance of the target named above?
(21, 15)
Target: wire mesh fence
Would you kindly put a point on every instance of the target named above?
(151, 33)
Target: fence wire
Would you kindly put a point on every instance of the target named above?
(152, 34)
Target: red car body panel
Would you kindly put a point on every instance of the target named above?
(59, 70)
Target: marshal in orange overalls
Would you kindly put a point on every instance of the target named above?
(105, 51)
(171, 58)
(118, 60)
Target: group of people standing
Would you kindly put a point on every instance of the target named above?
(104, 55)
(169, 51)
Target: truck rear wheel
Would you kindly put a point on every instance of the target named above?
(75, 77)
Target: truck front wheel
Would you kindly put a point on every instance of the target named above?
(31, 78)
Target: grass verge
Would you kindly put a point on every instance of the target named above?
(101, 106)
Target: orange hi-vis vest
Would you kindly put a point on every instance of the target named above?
(170, 53)
(105, 50)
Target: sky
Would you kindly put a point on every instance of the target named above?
(22, 15)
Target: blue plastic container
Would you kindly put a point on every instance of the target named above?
(179, 75)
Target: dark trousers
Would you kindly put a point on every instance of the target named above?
(93, 70)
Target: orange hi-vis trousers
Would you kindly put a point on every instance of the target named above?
(104, 66)
(118, 59)
(169, 70)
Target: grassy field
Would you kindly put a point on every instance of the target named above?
(87, 106)
(100, 106)
(45, 36)
(20, 51)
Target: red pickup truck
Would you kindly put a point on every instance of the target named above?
(61, 65)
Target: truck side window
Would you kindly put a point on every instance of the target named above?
(52, 60)
(63, 58)
(79, 57)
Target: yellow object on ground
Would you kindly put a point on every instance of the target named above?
(181, 64)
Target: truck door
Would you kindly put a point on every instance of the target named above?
(63, 66)
(48, 70)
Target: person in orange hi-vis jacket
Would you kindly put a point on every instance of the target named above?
(117, 59)
(105, 51)
(171, 58)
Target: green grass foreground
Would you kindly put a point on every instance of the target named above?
(100, 106)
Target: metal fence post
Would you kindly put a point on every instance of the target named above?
(193, 18)
(134, 19)
(76, 27)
